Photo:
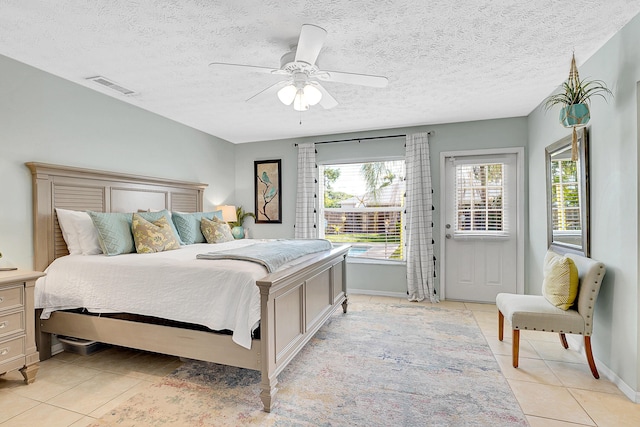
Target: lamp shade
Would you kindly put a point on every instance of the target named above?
(299, 102)
(228, 213)
(287, 94)
(312, 94)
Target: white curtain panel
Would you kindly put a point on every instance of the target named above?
(419, 219)
(305, 227)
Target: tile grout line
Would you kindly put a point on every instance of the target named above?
(499, 367)
(533, 382)
(582, 406)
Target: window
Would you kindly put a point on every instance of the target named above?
(362, 204)
(479, 199)
(565, 196)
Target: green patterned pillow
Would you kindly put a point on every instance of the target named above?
(114, 229)
(155, 215)
(560, 285)
(216, 230)
(188, 225)
(156, 236)
(114, 232)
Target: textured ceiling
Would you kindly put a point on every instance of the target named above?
(447, 61)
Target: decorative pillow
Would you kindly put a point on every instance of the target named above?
(560, 285)
(156, 236)
(88, 235)
(114, 230)
(188, 225)
(153, 215)
(67, 219)
(79, 232)
(216, 230)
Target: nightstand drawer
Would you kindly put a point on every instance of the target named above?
(11, 323)
(11, 297)
(17, 323)
(12, 349)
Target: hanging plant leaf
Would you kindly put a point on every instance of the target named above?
(576, 91)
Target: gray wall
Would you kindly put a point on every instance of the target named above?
(378, 279)
(47, 119)
(614, 199)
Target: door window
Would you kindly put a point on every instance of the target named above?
(479, 201)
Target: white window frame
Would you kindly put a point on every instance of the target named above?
(322, 209)
(504, 233)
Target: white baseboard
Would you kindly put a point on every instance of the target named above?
(376, 293)
(577, 342)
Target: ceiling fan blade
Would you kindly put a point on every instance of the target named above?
(353, 78)
(256, 68)
(327, 100)
(273, 89)
(309, 44)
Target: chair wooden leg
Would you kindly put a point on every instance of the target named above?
(592, 363)
(500, 325)
(563, 340)
(516, 347)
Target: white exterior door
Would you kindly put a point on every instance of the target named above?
(480, 226)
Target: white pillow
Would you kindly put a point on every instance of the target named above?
(79, 232)
(88, 235)
(66, 219)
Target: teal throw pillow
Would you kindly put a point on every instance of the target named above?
(114, 229)
(114, 232)
(188, 225)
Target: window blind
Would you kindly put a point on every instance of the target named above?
(480, 204)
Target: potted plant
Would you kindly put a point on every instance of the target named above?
(575, 98)
(236, 226)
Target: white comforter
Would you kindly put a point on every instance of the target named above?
(173, 285)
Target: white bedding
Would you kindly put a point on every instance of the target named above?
(173, 285)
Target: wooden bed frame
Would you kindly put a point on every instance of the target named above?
(295, 302)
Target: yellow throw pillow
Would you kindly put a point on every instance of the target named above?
(215, 230)
(156, 236)
(560, 285)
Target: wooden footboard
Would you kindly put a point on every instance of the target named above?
(294, 306)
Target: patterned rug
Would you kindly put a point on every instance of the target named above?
(378, 365)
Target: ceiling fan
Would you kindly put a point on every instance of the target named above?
(301, 86)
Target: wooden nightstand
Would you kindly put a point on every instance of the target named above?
(17, 323)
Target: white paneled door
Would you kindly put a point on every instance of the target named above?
(480, 226)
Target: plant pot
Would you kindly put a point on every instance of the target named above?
(238, 232)
(575, 115)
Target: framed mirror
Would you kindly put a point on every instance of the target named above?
(568, 195)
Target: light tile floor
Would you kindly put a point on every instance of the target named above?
(553, 386)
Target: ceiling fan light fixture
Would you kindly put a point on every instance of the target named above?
(287, 94)
(312, 94)
(300, 65)
(300, 103)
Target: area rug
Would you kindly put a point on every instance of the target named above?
(378, 365)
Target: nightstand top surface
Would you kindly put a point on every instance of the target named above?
(18, 276)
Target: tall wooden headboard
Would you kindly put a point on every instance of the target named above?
(80, 189)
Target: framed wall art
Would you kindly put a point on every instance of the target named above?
(268, 182)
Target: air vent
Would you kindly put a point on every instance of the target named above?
(111, 85)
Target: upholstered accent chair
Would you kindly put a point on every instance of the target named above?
(533, 312)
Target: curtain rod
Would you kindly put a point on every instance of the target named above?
(338, 141)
